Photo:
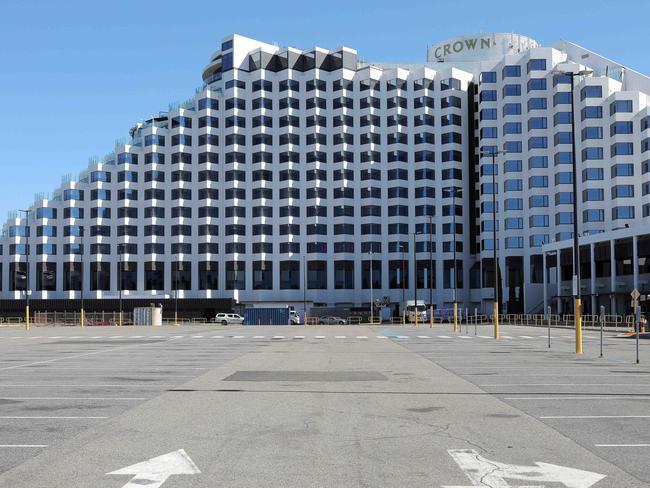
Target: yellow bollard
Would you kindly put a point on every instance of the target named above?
(455, 317)
(416, 313)
(120, 320)
(175, 318)
(82, 316)
(430, 316)
(578, 319)
(496, 320)
(27, 317)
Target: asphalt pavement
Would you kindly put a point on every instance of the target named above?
(352, 406)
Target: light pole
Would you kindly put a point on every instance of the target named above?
(120, 251)
(453, 190)
(82, 315)
(175, 289)
(493, 154)
(577, 307)
(371, 290)
(402, 276)
(304, 291)
(415, 278)
(430, 272)
(27, 290)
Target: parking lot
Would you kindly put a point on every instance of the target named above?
(321, 406)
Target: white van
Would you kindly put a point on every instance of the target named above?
(294, 318)
(411, 309)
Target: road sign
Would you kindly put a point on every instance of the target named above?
(635, 294)
(483, 472)
(154, 472)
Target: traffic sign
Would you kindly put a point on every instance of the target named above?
(635, 294)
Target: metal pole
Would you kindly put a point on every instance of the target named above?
(576, 248)
(548, 325)
(602, 322)
(304, 291)
(453, 199)
(176, 290)
(371, 297)
(27, 250)
(83, 314)
(494, 245)
(403, 286)
(475, 320)
(430, 272)
(415, 280)
(637, 317)
(120, 250)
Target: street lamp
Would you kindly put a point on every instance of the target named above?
(120, 251)
(175, 289)
(82, 316)
(577, 307)
(371, 298)
(402, 275)
(27, 290)
(453, 190)
(494, 154)
(415, 278)
(430, 271)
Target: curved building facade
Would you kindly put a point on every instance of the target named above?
(313, 177)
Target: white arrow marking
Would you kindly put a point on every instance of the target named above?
(154, 472)
(483, 472)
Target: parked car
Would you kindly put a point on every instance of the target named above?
(229, 319)
(331, 320)
(294, 318)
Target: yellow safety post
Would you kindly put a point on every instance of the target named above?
(430, 316)
(27, 317)
(455, 317)
(416, 313)
(81, 318)
(175, 318)
(578, 319)
(403, 316)
(120, 319)
(496, 320)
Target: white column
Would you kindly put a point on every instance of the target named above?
(612, 280)
(594, 306)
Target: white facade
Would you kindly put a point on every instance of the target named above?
(285, 157)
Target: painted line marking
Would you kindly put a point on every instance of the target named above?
(73, 398)
(443, 337)
(258, 337)
(177, 337)
(402, 337)
(24, 445)
(112, 337)
(277, 337)
(362, 337)
(464, 337)
(200, 337)
(234, 337)
(565, 384)
(622, 445)
(154, 472)
(339, 337)
(51, 418)
(158, 337)
(137, 337)
(319, 337)
(216, 337)
(47, 385)
(597, 417)
(575, 398)
(526, 337)
(504, 337)
(382, 337)
(424, 337)
(299, 337)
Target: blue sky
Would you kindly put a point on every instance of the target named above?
(76, 75)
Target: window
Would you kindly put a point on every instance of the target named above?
(620, 106)
(538, 182)
(536, 84)
(622, 149)
(592, 91)
(537, 103)
(592, 133)
(623, 191)
(593, 195)
(622, 170)
(511, 71)
(537, 123)
(620, 128)
(511, 90)
(626, 212)
(489, 77)
(593, 215)
(592, 174)
(592, 153)
(512, 109)
(536, 65)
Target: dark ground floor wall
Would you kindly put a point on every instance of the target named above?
(187, 308)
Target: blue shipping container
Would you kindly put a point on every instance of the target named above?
(266, 316)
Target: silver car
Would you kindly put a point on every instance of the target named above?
(229, 319)
(331, 320)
